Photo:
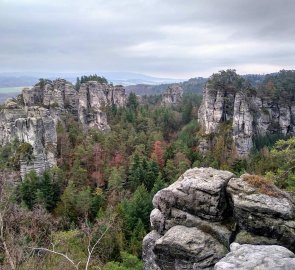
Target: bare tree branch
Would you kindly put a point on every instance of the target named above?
(90, 250)
(76, 265)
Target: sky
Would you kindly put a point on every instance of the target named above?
(163, 38)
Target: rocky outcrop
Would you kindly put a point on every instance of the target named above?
(35, 126)
(94, 96)
(228, 100)
(32, 117)
(184, 247)
(196, 219)
(172, 95)
(249, 257)
(262, 214)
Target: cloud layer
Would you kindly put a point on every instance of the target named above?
(174, 38)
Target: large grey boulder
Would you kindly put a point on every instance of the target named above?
(262, 214)
(189, 216)
(187, 248)
(261, 257)
(221, 231)
(148, 254)
(199, 191)
(205, 210)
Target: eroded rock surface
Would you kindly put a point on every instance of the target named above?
(198, 191)
(262, 214)
(249, 257)
(187, 248)
(173, 95)
(93, 96)
(229, 101)
(196, 219)
(32, 117)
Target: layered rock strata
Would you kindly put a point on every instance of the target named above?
(32, 117)
(249, 115)
(196, 219)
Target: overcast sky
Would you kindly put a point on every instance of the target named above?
(170, 38)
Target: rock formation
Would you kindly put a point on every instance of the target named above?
(93, 96)
(227, 99)
(249, 257)
(172, 95)
(196, 219)
(33, 116)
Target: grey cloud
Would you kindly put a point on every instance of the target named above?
(159, 37)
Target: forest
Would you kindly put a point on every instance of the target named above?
(92, 210)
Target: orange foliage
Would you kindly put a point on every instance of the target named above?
(264, 185)
(158, 154)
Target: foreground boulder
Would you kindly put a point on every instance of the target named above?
(187, 248)
(200, 192)
(249, 257)
(263, 209)
(197, 218)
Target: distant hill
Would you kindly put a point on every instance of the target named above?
(193, 85)
(13, 79)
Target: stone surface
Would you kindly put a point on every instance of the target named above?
(262, 257)
(205, 210)
(35, 127)
(244, 237)
(33, 116)
(199, 191)
(221, 231)
(187, 248)
(148, 255)
(172, 95)
(263, 214)
(249, 115)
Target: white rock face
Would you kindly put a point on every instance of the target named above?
(32, 118)
(35, 127)
(173, 95)
(94, 96)
(262, 257)
(248, 114)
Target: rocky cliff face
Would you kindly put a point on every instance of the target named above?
(196, 219)
(33, 116)
(250, 113)
(172, 95)
(92, 97)
(33, 125)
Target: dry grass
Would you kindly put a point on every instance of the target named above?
(264, 185)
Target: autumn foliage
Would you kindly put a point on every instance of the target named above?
(158, 154)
